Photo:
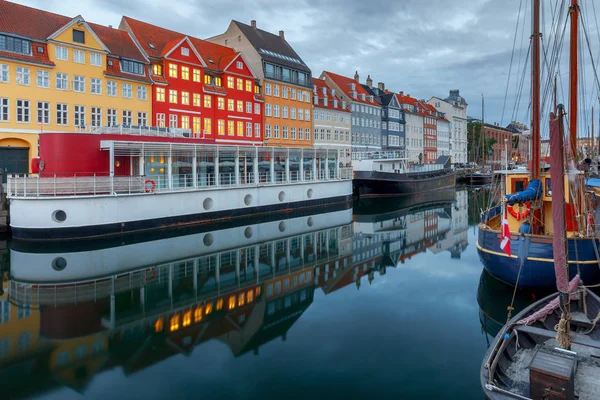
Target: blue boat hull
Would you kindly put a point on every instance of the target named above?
(537, 258)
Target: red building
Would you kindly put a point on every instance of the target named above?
(200, 87)
(429, 132)
(502, 141)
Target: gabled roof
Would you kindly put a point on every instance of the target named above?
(282, 52)
(151, 38)
(118, 42)
(29, 22)
(320, 84)
(345, 84)
(214, 55)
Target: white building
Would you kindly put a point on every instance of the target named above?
(413, 117)
(443, 137)
(455, 108)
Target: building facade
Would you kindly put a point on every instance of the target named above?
(455, 108)
(366, 111)
(430, 134)
(414, 120)
(62, 74)
(443, 136)
(201, 88)
(285, 78)
(502, 143)
(331, 120)
(392, 117)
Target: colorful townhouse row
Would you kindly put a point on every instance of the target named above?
(243, 87)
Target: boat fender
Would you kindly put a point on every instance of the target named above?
(520, 215)
(152, 274)
(149, 185)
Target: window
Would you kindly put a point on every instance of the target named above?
(142, 119)
(207, 79)
(61, 53)
(239, 65)
(293, 112)
(306, 97)
(276, 110)
(240, 128)
(142, 93)
(172, 96)
(157, 69)
(4, 73)
(196, 125)
(62, 114)
(221, 103)
(284, 92)
(111, 117)
(267, 89)
(293, 94)
(284, 112)
(301, 133)
(185, 51)
(208, 126)
(173, 121)
(197, 100)
(96, 86)
(80, 116)
(293, 132)
(96, 59)
(96, 116)
(22, 76)
(267, 110)
(217, 81)
(185, 98)
(207, 101)
(230, 105)
(132, 67)
(43, 112)
(249, 107)
(79, 56)
(111, 88)
(185, 73)
(172, 70)
(248, 86)
(276, 131)
(267, 131)
(307, 115)
(257, 130)
(256, 108)
(160, 94)
(79, 84)
(240, 106)
(78, 36)
(230, 82)
(4, 109)
(23, 111)
(276, 90)
(240, 84)
(300, 114)
(185, 122)
(249, 129)
(307, 133)
(197, 75)
(43, 79)
(221, 127)
(230, 128)
(126, 90)
(160, 120)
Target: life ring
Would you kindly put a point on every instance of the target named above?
(152, 274)
(149, 189)
(520, 215)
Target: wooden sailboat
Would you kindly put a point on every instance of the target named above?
(529, 198)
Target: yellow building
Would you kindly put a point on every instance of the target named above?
(62, 74)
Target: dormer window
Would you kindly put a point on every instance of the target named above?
(210, 60)
(353, 86)
(353, 94)
(151, 46)
(344, 104)
(185, 51)
(325, 101)
(335, 103)
(157, 69)
(132, 67)
(315, 89)
(371, 99)
(15, 45)
(363, 96)
(40, 49)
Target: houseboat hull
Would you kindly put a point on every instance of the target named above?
(474, 179)
(33, 218)
(533, 256)
(388, 184)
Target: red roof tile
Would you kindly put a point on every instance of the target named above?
(29, 22)
(119, 42)
(148, 34)
(320, 84)
(345, 85)
(221, 56)
(36, 57)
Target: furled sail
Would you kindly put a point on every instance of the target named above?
(533, 192)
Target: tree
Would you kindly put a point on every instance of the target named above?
(474, 143)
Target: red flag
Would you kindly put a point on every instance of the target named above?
(505, 244)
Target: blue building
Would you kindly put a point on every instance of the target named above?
(392, 116)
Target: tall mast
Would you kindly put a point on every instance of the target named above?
(535, 93)
(573, 76)
(481, 134)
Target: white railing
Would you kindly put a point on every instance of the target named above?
(423, 168)
(378, 155)
(96, 184)
(139, 131)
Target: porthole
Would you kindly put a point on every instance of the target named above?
(59, 263)
(248, 232)
(208, 239)
(309, 221)
(248, 199)
(208, 203)
(282, 226)
(309, 193)
(281, 196)
(59, 216)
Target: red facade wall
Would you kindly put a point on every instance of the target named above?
(430, 138)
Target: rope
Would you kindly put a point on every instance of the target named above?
(511, 308)
(563, 336)
(594, 322)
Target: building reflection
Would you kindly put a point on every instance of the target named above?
(66, 315)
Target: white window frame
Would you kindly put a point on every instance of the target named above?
(79, 115)
(23, 76)
(43, 78)
(62, 81)
(127, 117)
(111, 88)
(62, 114)
(239, 65)
(126, 90)
(4, 109)
(79, 56)
(4, 73)
(142, 118)
(111, 117)
(257, 130)
(61, 53)
(43, 113)
(25, 109)
(249, 129)
(256, 108)
(96, 59)
(96, 86)
(249, 107)
(79, 83)
(142, 92)
(96, 113)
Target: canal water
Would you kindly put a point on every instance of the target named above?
(385, 300)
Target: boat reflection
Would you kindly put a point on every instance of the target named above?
(66, 315)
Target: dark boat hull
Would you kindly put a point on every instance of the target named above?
(474, 179)
(388, 184)
(537, 258)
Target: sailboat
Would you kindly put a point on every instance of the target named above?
(523, 256)
(550, 349)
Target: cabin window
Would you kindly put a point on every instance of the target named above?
(381, 167)
(518, 185)
(549, 187)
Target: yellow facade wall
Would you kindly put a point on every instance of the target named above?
(281, 122)
(19, 334)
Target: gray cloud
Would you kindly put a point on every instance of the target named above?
(424, 48)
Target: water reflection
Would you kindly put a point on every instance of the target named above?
(68, 314)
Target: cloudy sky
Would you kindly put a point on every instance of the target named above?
(424, 48)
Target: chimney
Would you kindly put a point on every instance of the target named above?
(253, 23)
(408, 95)
(381, 86)
(401, 93)
(282, 35)
(369, 81)
(110, 26)
(356, 76)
